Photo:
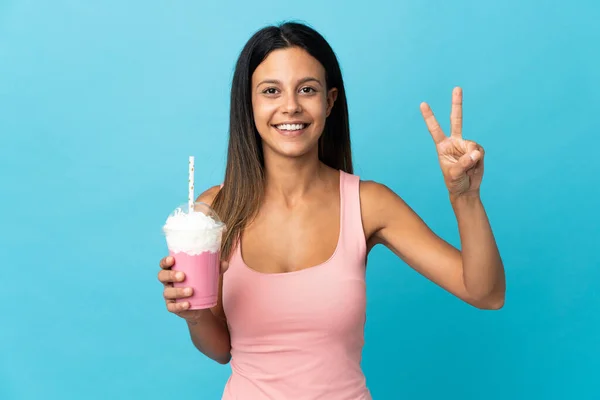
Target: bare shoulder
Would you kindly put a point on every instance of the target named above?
(380, 205)
(376, 197)
(208, 196)
(370, 190)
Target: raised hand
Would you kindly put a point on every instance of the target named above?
(461, 160)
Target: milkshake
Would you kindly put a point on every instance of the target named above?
(194, 240)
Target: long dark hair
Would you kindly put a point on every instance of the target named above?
(239, 200)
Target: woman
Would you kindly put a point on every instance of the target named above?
(291, 310)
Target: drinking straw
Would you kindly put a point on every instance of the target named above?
(191, 185)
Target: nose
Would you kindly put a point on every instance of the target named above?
(291, 104)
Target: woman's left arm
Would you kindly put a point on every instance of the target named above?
(483, 270)
(475, 274)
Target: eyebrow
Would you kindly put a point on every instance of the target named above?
(301, 81)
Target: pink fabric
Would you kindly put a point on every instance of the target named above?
(299, 335)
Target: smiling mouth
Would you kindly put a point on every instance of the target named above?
(291, 129)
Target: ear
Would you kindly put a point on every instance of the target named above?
(331, 98)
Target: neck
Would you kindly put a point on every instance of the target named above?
(291, 177)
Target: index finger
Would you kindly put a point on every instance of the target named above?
(456, 113)
(167, 262)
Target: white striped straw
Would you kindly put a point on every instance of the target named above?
(191, 185)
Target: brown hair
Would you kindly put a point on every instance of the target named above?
(240, 198)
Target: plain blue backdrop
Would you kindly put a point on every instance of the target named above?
(101, 103)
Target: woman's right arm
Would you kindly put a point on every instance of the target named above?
(208, 330)
(208, 327)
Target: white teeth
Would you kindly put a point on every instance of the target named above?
(291, 127)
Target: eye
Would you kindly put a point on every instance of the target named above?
(308, 90)
(270, 91)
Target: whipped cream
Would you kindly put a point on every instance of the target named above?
(193, 233)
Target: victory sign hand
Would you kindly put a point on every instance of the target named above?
(461, 160)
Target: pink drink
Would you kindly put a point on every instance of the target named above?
(201, 274)
(194, 240)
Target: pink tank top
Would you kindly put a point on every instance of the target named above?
(299, 335)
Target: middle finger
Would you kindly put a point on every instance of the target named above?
(169, 276)
(172, 293)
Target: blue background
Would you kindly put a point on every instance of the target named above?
(102, 102)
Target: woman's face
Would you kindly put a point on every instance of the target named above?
(290, 102)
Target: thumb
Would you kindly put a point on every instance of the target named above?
(469, 159)
(475, 155)
(465, 162)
